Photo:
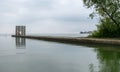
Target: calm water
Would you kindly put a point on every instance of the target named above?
(20, 55)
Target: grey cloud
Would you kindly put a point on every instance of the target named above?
(31, 19)
(4, 6)
(39, 4)
(9, 5)
(71, 18)
(35, 12)
(51, 13)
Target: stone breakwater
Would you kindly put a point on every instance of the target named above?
(77, 40)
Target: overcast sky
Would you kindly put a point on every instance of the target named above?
(45, 16)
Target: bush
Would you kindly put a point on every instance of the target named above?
(106, 28)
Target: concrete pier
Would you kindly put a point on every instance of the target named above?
(76, 40)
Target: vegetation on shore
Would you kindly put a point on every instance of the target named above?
(108, 12)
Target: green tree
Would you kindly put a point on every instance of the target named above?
(109, 15)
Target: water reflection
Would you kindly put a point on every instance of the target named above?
(42, 56)
(20, 43)
(109, 59)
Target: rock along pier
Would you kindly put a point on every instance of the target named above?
(77, 40)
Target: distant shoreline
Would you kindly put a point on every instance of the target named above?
(77, 40)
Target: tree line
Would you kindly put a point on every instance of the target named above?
(109, 17)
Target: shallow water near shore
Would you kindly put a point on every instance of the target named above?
(28, 55)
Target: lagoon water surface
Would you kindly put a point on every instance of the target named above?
(27, 55)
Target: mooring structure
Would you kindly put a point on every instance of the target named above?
(20, 42)
(20, 31)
